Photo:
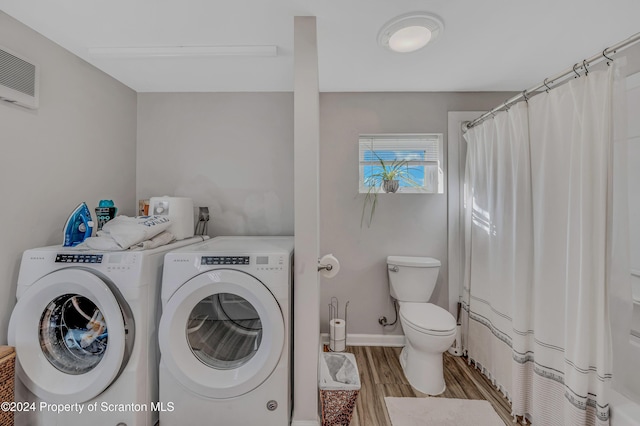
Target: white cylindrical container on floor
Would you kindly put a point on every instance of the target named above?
(337, 335)
(456, 348)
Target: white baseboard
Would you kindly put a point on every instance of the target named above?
(369, 339)
(305, 422)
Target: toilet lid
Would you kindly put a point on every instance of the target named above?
(427, 317)
(420, 262)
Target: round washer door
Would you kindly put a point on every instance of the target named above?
(221, 333)
(69, 334)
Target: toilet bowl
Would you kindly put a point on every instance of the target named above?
(429, 329)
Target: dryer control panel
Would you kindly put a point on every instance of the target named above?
(224, 260)
(257, 262)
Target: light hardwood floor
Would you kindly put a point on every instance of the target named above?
(381, 375)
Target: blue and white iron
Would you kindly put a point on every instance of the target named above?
(78, 227)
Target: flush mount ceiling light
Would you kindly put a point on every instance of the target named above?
(410, 32)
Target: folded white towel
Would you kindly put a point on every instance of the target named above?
(161, 239)
(103, 242)
(100, 243)
(129, 231)
(135, 233)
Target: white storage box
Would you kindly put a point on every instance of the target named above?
(180, 212)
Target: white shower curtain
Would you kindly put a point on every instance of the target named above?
(536, 318)
(498, 239)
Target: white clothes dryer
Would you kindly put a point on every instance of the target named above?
(225, 333)
(85, 332)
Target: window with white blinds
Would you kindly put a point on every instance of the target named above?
(420, 156)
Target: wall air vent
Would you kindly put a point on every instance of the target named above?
(18, 80)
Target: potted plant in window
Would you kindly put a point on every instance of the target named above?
(388, 177)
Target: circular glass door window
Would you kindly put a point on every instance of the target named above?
(224, 331)
(73, 334)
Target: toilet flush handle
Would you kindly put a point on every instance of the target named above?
(394, 268)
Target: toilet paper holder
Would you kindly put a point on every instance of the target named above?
(328, 266)
(337, 344)
(322, 267)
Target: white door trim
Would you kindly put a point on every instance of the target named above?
(456, 159)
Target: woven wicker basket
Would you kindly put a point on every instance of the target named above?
(7, 374)
(337, 406)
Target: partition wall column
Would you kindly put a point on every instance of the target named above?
(306, 321)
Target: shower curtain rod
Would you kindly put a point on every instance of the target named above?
(555, 79)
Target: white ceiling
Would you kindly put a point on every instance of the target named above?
(486, 45)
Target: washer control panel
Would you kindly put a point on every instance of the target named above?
(225, 260)
(269, 263)
(78, 258)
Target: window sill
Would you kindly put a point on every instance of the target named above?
(401, 191)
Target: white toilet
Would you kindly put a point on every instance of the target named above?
(429, 330)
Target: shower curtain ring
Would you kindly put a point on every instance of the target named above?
(546, 85)
(524, 95)
(604, 53)
(574, 70)
(584, 65)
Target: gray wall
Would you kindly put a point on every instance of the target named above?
(232, 152)
(78, 146)
(404, 224)
(189, 144)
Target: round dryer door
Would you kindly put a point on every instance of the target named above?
(69, 334)
(222, 333)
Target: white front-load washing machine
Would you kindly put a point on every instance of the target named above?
(225, 336)
(85, 332)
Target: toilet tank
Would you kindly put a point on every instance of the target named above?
(412, 279)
